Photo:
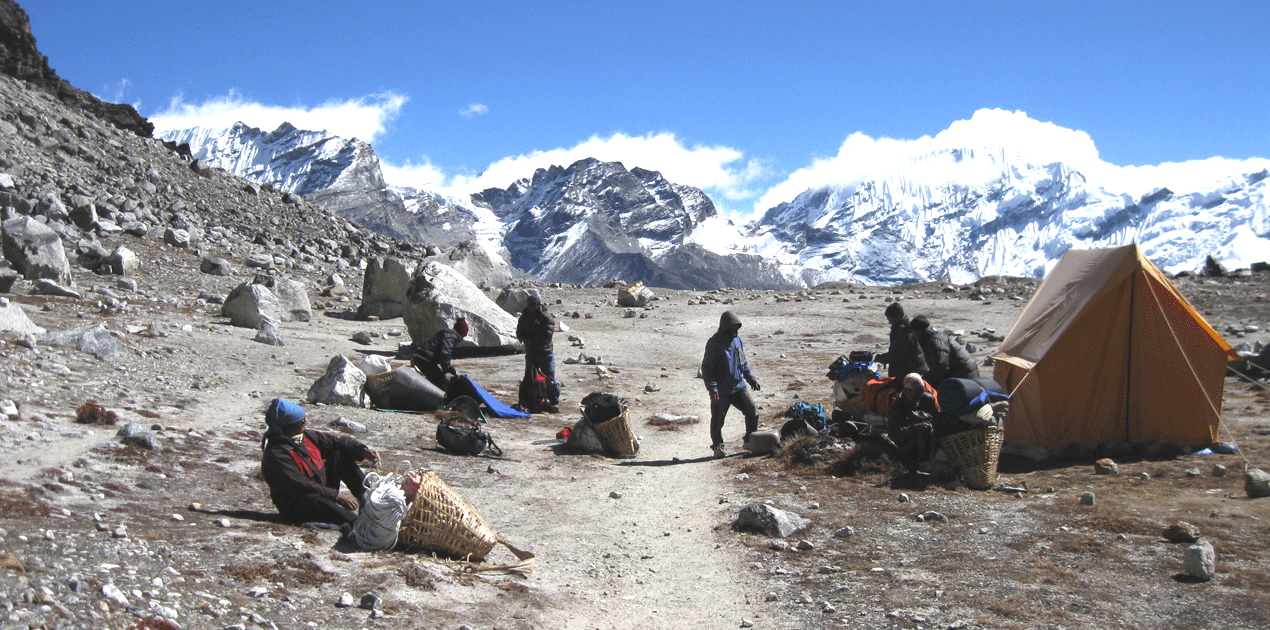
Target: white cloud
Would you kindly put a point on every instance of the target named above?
(713, 168)
(425, 175)
(364, 118)
(1011, 134)
(473, 110)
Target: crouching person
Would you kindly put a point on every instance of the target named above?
(910, 422)
(304, 469)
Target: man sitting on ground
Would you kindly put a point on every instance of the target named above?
(910, 422)
(304, 469)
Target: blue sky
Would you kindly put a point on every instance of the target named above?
(744, 99)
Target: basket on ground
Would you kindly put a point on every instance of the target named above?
(617, 436)
(441, 520)
(976, 453)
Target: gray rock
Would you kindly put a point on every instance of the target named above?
(268, 333)
(346, 601)
(1087, 498)
(35, 250)
(44, 286)
(8, 277)
(114, 595)
(370, 601)
(14, 319)
(259, 261)
(1257, 483)
(1219, 470)
(216, 266)
(349, 426)
(932, 517)
(122, 262)
(249, 304)
(293, 297)
(438, 295)
(342, 384)
(176, 238)
(768, 520)
(1200, 561)
(362, 338)
(805, 545)
(1224, 448)
(845, 532)
(636, 296)
(514, 299)
(96, 341)
(83, 212)
(1181, 532)
(384, 287)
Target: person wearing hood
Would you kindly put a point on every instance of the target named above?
(726, 373)
(945, 357)
(535, 329)
(304, 468)
(904, 355)
(433, 359)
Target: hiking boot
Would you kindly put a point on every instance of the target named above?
(550, 408)
(719, 453)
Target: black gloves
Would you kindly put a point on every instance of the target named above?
(754, 383)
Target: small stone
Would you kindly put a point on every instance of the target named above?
(1194, 472)
(346, 601)
(1257, 483)
(370, 601)
(119, 532)
(1106, 466)
(828, 609)
(223, 522)
(1087, 498)
(362, 338)
(904, 498)
(845, 532)
(1181, 532)
(932, 517)
(805, 545)
(771, 597)
(1219, 470)
(746, 623)
(1200, 561)
(258, 591)
(615, 495)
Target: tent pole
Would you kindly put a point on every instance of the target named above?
(1128, 398)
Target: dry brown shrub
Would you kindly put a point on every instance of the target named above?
(12, 503)
(250, 572)
(93, 413)
(417, 577)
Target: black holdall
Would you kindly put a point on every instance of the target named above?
(461, 436)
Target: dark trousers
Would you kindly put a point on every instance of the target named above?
(433, 373)
(340, 467)
(718, 411)
(544, 362)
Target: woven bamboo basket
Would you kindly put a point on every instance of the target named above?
(443, 521)
(976, 453)
(617, 436)
(853, 408)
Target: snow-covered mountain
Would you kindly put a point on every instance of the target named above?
(1017, 221)
(965, 204)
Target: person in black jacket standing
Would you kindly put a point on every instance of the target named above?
(304, 468)
(904, 355)
(536, 329)
(433, 359)
(945, 358)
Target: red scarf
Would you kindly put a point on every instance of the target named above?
(315, 462)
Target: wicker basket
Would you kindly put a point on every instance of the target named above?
(976, 452)
(441, 520)
(617, 436)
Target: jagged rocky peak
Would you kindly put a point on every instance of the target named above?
(20, 59)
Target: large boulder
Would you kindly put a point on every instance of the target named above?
(35, 250)
(122, 262)
(1257, 483)
(384, 289)
(343, 384)
(514, 299)
(14, 319)
(634, 295)
(483, 267)
(439, 294)
(250, 304)
(293, 296)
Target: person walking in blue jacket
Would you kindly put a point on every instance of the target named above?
(726, 373)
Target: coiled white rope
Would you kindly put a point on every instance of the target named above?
(380, 519)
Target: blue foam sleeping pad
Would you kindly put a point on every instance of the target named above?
(465, 386)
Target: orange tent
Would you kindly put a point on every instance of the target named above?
(1108, 349)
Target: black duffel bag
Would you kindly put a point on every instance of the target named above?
(955, 394)
(599, 407)
(461, 436)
